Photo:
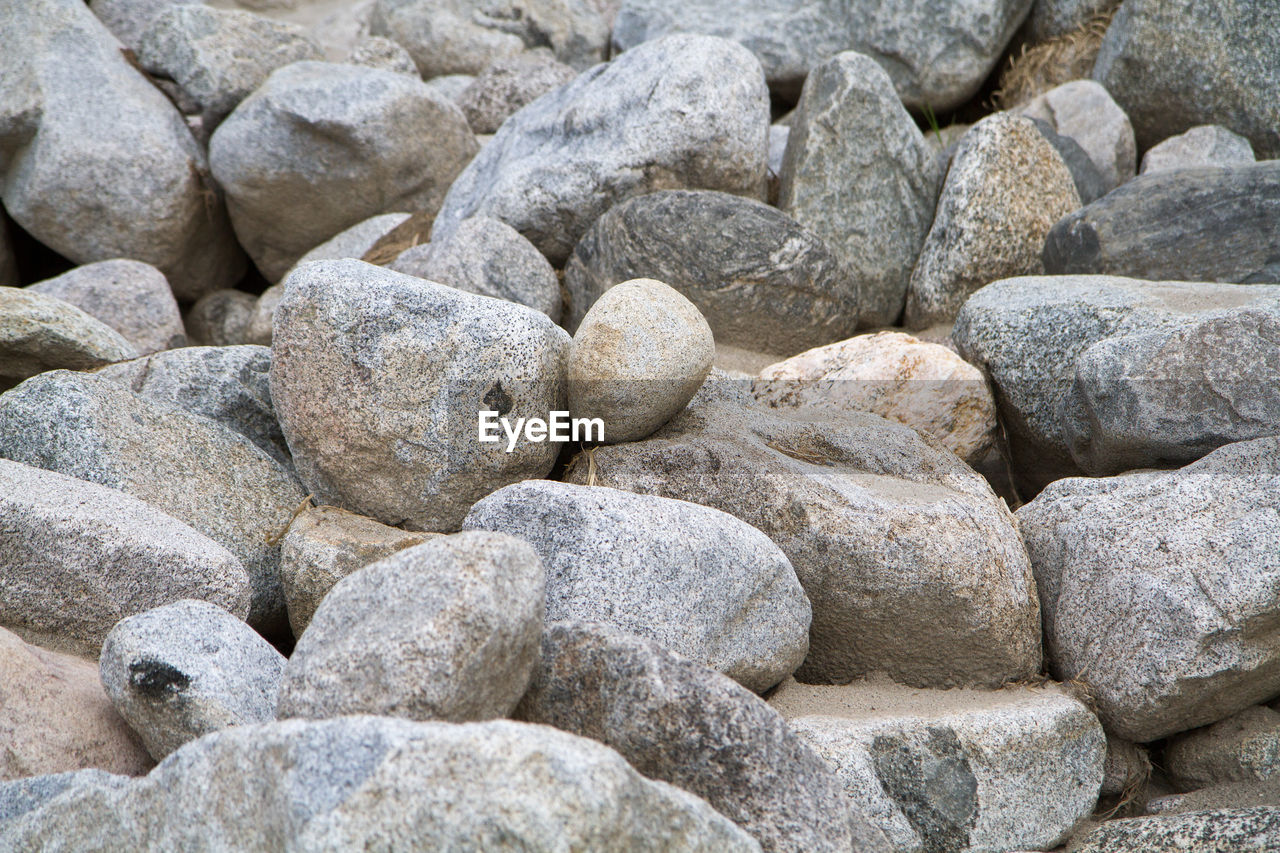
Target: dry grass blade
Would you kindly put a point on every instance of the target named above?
(275, 538)
(1036, 70)
(414, 231)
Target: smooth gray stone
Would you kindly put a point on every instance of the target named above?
(1206, 145)
(39, 332)
(1090, 185)
(1255, 830)
(1086, 112)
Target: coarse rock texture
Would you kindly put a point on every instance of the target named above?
(683, 112)
(1084, 111)
(698, 581)
(338, 25)
(368, 782)
(1206, 145)
(638, 357)
(937, 53)
(230, 385)
(377, 378)
(1099, 374)
(921, 384)
(186, 669)
(72, 164)
(446, 630)
(1233, 795)
(379, 52)
(914, 568)
(466, 36)
(326, 544)
(1175, 64)
(55, 718)
(758, 276)
(221, 318)
(1244, 747)
(508, 84)
(988, 226)
(23, 795)
(320, 147)
(959, 770)
(185, 465)
(1090, 185)
(39, 332)
(1196, 224)
(1127, 770)
(129, 296)
(129, 19)
(76, 557)
(681, 723)
(488, 258)
(1255, 830)
(860, 175)
(1160, 588)
(219, 56)
(1051, 19)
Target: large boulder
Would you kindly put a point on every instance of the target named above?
(555, 166)
(39, 332)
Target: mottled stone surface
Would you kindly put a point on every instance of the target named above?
(29, 793)
(1206, 145)
(129, 296)
(39, 332)
(1255, 830)
(1244, 747)
(1084, 111)
(129, 19)
(509, 84)
(221, 318)
(380, 52)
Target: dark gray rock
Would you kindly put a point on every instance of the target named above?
(8, 263)
(1206, 145)
(508, 84)
(1255, 830)
(129, 296)
(1090, 185)
(39, 332)
(760, 279)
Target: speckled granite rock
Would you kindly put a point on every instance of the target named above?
(1206, 145)
(221, 318)
(1255, 830)
(508, 84)
(39, 332)
(1244, 747)
(129, 296)
(379, 52)
(1084, 111)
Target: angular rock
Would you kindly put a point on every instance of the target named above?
(760, 279)
(220, 56)
(379, 52)
(698, 581)
(221, 318)
(558, 164)
(1160, 588)
(923, 385)
(1206, 145)
(446, 630)
(1084, 111)
(860, 175)
(955, 771)
(55, 718)
(131, 297)
(399, 145)
(1006, 188)
(913, 566)
(187, 466)
(681, 723)
(362, 782)
(1051, 19)
(377, 379)
(40, 332)
(112, 175)
(638, 357)
(326, 544)
(488, 258)
(186, 669)
(1255, 830)
(509, 84)
(1244, 747)
(1175, 65)
(76, 557)
(1197, 224)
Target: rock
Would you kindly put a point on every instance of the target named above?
(488, 258)
(74, 174)
(881, 526)
(957, 771)
(76, 557)
(379, 52)
(759, 278)
(360, 782)
(258, 330)
(446, 630)
(937, 53)
(1199, 224)
(1175, 65)
(638, 357)
(230, 385)
(129, 19)
(8, 263)
(1206, 145)
(988, 225)
(1090, 185)
(186, 669)
(778, 137)
(1106, 374)
(1084, 111)
(681, 723)
(859, 174)
(465, 36)
(1051, 19)
(377, 379)
(55, 718)
(558, 164)
(451, 86)
(187, 466)
(131, 297)
(400, 144)
(1159, 588)
(220, 56)
(923, 385)
(508, 84)
(29, 793)
(326, 544)
(1127, 769)
(698, 581)
(1241, 748)
(1254, 830)
(39, 333)
(221, 318)
(1236, 795)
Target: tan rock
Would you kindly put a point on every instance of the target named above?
(923, 385)
(55, 716)
(39, 333)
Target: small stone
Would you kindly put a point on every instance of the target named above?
(1244, 747)
(1090, 185)
(40, 332)
(186, 669)
(1207, 145)
(1084, 111)
(1127, 770)
(221, 318)
(1255, 830)
(379, 52)
(509, 84)
(451, 86)
(131, 297)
